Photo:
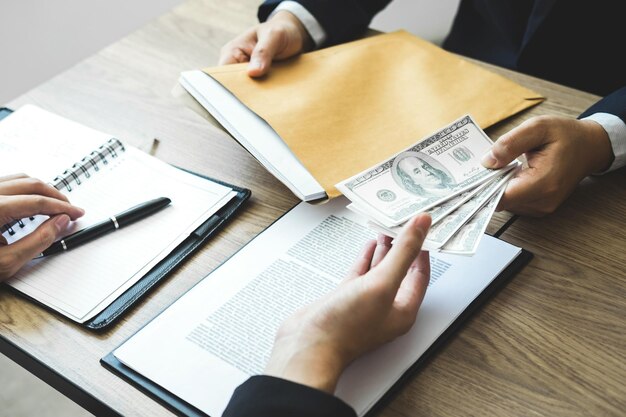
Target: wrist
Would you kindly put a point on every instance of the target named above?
(314, 365)
(598, 146)
(292, 20)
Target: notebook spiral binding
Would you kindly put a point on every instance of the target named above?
(82, 169)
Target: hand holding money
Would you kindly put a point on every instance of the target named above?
(441, 175)
(559, 151)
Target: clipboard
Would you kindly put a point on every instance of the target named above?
(182, 408)
(164, 268)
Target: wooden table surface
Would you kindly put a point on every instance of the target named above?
(551, 343)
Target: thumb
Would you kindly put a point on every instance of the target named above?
(33, 244)
(393, 268)
(524, 138)
(264, 52)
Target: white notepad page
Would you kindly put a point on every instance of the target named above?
(83, 281)
(221, 332)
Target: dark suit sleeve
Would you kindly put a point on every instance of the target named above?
(266, 396)
(614, 103)
(343, 20)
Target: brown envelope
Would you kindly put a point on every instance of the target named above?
(346, 108)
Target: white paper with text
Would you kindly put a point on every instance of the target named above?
(221, 332)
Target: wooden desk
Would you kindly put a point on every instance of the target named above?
(551, 343)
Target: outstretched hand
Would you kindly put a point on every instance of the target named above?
(22, 197)
(280, 37)
(377, 302)
(560, 152)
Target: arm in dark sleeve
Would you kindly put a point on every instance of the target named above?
(266, 396)
(343, 20)
(614, 103)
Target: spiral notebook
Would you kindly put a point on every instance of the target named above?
(94, 283)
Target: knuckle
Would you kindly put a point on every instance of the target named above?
(539, 123)
(504, 145)
(45, 236)
(261, 50)
(39, 202)
(549, 207)
(39, 186)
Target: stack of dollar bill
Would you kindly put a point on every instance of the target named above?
(440, 175)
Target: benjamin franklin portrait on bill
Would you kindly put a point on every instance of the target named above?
(421, 175)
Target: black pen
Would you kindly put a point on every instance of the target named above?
(112, 223)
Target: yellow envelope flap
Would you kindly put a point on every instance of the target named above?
(345, 108)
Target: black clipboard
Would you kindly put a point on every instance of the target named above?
(181, 408)
(164, 268)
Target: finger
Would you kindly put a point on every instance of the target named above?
(528, 136)
(363, 262)
(230, 57)
(12, 177)
(239, 49)
(237, 53)
(241, 56)
(264, 51)
(30, 246)
(393, 268)
(521, 197)
(413, 287)
(18, 207)
(30, 186)
(383, 245)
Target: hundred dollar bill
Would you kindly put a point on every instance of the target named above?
(433, 170)
(437, 213)
(429, 246)
(466, 240)
(443, 230)
(439, 234)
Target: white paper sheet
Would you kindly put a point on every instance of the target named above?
(219, 333)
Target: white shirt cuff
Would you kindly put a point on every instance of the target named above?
(310, 23)
(616, 129)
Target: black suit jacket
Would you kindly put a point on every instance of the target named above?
(573, 42)
(266, 396)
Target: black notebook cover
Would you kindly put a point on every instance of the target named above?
(182, 408)
(162, 270)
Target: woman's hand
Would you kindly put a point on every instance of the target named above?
(376, 303)
(22, 197)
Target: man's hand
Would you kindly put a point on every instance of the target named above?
(376, 303)
(22, 197)
(281, 37)
(560, 153)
